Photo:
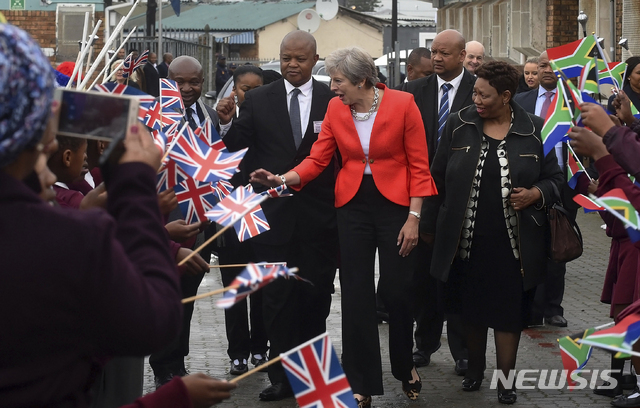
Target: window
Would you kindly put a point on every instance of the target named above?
(69, 28)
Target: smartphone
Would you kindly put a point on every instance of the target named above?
(95, 115)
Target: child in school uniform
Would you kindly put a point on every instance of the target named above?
(69, 164)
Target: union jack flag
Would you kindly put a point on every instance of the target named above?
(254, 277)
(195, 198)
(159, 139)
(202, 162)
(153, 118)
(252, 224)
(208, 133)
(316, 376)
(170, 95)
(222, 189)
(128, 67)
(234, 206)
(169, 176)
(280, 191)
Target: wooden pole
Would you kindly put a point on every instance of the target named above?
(255, 370)
(212, 293)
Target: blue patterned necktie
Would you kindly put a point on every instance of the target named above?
(294, 116)
(443, 112)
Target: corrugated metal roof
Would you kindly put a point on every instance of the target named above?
(240, 16)
(247, 37)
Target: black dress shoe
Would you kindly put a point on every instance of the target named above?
(605, 390)
(238, 367)
(276, 392)
(160, 380)
(469, 384)
(421, 358)
(507, 396)
(556, 320)
(628, 401)
(629, 382)
(462, 366)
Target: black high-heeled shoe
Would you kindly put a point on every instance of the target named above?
(412, 390)
(507, 396)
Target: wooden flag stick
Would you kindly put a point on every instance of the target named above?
(213, 292)
(255, 370)
(244, 265)
(207, 242)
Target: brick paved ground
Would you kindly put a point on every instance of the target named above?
(441, 387)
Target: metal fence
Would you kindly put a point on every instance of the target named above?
(199, 45)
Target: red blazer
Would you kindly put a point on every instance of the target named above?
(397, 151)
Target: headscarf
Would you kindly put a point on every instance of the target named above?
(26, 91)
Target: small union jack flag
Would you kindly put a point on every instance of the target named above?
(234, 206)
(195, 198)
(279, 191)
(252, 224)
(316, 376)
(208, 133)
(222, 189)
(153, 118)
(169, 176)
(202, 162)
(159, 139)
(128, 68)
(254, 277)
(170, 95)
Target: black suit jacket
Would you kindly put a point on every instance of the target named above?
(527, 100)
(152, 79)
(163, 70)
(263, 126)
(425, 92)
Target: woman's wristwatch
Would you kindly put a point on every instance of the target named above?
(284, 180)
(415, 214)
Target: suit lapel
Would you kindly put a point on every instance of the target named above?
(278, 101)
(465, 89)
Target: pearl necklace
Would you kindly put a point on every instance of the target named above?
(376, 95)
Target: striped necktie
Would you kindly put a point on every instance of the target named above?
(443, 112)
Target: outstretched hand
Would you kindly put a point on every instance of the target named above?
(226, 108)
(585, 142)
(265, 177)
(596, 118)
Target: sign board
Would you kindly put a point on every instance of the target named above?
(16, 4)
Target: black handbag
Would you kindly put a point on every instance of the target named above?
(566, 238)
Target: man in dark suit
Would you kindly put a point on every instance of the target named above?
(188, 74)
(163, 67)
(548, 297)
(279, 123)
(151, 75)
(449, 90)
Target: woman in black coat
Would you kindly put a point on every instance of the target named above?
(489, 219)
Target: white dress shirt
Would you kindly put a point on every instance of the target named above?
(455, 84)
(304, 99)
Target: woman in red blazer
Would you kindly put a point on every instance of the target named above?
(379, 193)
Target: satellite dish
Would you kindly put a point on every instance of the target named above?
(308, 20)
(327, 9)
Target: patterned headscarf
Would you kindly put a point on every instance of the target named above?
(26, 91)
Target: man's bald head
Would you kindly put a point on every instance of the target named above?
(185, 63)
(474, 57)
(447, 54)
(297, 57)
(301, 38)
(187, 72)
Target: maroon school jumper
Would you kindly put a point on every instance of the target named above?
(621, 283)
(79, 285)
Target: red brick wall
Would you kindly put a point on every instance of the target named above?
(561, 22)
(41, 25)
